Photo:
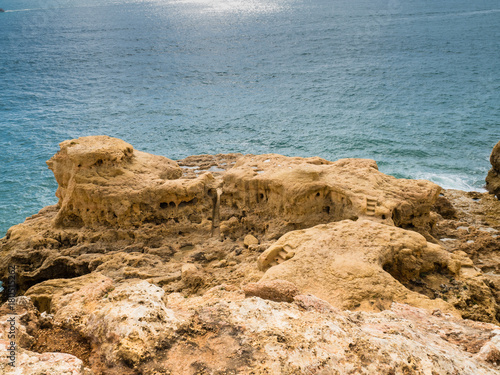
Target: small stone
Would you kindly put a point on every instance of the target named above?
(188, 269)
(191, 275)
(274, 290)
(250, 240)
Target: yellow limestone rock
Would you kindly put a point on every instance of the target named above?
(103, 180)
(250, 240)
(363, 265)
(274, 290)
(276, 194)
(493, 178)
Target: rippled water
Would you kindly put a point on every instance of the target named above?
(413, 85)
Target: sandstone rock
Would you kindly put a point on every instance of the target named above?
(24, 319)
(493, 178)
(125, 322)
(250, 240)
(366, 265)
(103, 180)
(490, 352)
(495, 157)
(310, 302)
(30, 363)
(222, 331)
(475, 231)
(444, 208)
(191, 275)
(274, 290)
(275, 194)
(128, 214)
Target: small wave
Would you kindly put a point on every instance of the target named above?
(450, 181)
(487, 11)
(21, 10)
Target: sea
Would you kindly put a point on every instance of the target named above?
(414, 85)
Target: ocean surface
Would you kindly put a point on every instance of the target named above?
(414, 85)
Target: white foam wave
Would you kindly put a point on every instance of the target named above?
(21, 10)
(458, 182)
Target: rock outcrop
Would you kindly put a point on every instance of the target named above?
(243, 264)
(136, 329)
(130, 214)
(493, 178)
(276, 194)
(474, 230)
(104, 181)
(367, 265)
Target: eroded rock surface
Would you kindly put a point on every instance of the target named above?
(103, 180)
(139, 331)
(143, 267)
(129, 214)
(366, 265)
(493, 178)
(474, 230)
(277, 194)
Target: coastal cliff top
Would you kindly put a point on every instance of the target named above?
(147, 265)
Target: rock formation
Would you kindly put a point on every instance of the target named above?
(104, 181)
(366, 265)
(276, 194)
(244, 263)
(493, 178)
(133, 328)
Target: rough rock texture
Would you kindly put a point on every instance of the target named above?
(140, 331)
(103, 180)
(276, 194)
(274, 290)
(125, 323)
(474, 230)
(143, 267)
(129, 214)
(31, 363)
(493, 178)
(364, 265)
(28, 362)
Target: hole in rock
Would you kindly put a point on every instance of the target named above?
(326, 209)
(383, 217)
(98, 162)
(184, 204)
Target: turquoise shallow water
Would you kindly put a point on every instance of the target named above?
(413, 85)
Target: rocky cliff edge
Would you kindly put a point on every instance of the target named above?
(251, 264)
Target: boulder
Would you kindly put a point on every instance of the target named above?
(367, 265)
(103, 180)
(250, 240)
(125, 322)
(493, 178)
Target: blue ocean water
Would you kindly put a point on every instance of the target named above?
(414, 85)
